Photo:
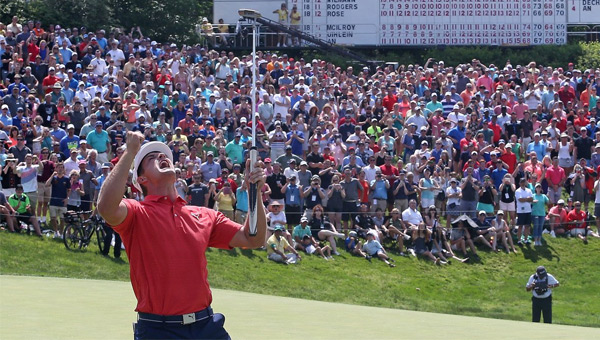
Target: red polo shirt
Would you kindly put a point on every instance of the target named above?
(166, 244)
(573, 215)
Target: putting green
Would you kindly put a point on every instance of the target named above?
(55, 308)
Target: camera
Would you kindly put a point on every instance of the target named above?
(541, 284)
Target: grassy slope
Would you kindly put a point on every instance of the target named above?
(492, 288)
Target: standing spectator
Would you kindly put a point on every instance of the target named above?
(61, 187)
(99, 140)
(524, 198)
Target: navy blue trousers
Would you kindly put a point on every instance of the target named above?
(209, 328)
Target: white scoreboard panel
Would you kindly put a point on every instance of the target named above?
(584, 11)
(428, 22)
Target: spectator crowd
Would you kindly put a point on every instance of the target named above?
(369, 157)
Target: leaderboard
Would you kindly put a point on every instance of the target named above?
(435, 22)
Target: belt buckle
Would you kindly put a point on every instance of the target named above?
(189, 318)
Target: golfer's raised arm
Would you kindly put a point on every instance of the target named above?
(110, 206)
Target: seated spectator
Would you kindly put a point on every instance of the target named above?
(277, 246)
(353, 244)
(23, 213)
(421, 237)
(373, 248)
(306, 242)
(322, 230)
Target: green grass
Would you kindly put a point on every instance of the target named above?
(491, 288)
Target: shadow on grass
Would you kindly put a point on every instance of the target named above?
(534, 254)
(235, 252)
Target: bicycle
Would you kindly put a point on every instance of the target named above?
(78, 234)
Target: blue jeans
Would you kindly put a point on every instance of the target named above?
(538, 225)
(210, 328)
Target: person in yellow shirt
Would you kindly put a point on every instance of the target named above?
(223, 32)
(295, 22)
(277, 245)
(226, 200)
(207, 30)
(282, 14)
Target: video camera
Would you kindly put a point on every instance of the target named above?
(540, 280)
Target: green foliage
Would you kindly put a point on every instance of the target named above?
(491, 288)
(590, 56)
(172, 20)
(547, 55)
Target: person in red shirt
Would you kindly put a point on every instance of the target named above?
(576, 222)
(391, 173)
(507, 156)
(164, 234)
(581, 120)
(50, 80)
(390, 99)
(493, 125)
(566, 94)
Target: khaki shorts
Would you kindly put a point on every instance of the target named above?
(57, 212)
(508, 206)
(44, 192)
(33, 199)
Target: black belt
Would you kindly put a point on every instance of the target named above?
(184, 319)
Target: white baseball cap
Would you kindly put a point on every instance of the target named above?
(144, 151)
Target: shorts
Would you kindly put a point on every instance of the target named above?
(453, 211)
(488, 208)
(44, 192)
(334, 207)
(401, 204)
(508, 206)
(524, 219)
(24, 217)
(565, 162)
(310, 249)
(33, 199)
(86, 203)
(578, 231)
(597, 210)
(292, 214)
(427, 202)
(56, 211)
(240, 216)
(349, 210)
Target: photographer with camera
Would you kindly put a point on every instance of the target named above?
(541, 283)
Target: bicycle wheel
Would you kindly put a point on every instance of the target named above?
(72, 237)
(100, 234)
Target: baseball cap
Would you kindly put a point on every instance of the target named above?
(303, 219)
(98, 123)
(144, 151)
(71, 126)
(278, 227)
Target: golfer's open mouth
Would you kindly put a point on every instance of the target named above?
(164, 164)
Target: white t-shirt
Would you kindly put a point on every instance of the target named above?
(29, 177)
(523, 207)
(412, 216)
(276, 218)
(452, 191)
(551, 281)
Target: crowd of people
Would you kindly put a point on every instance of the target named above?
(355, 158)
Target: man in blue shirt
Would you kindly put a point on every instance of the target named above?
(498, 174)
(295, 139)
(537, 146)
(70, 141)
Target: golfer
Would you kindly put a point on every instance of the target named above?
(166, 240)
